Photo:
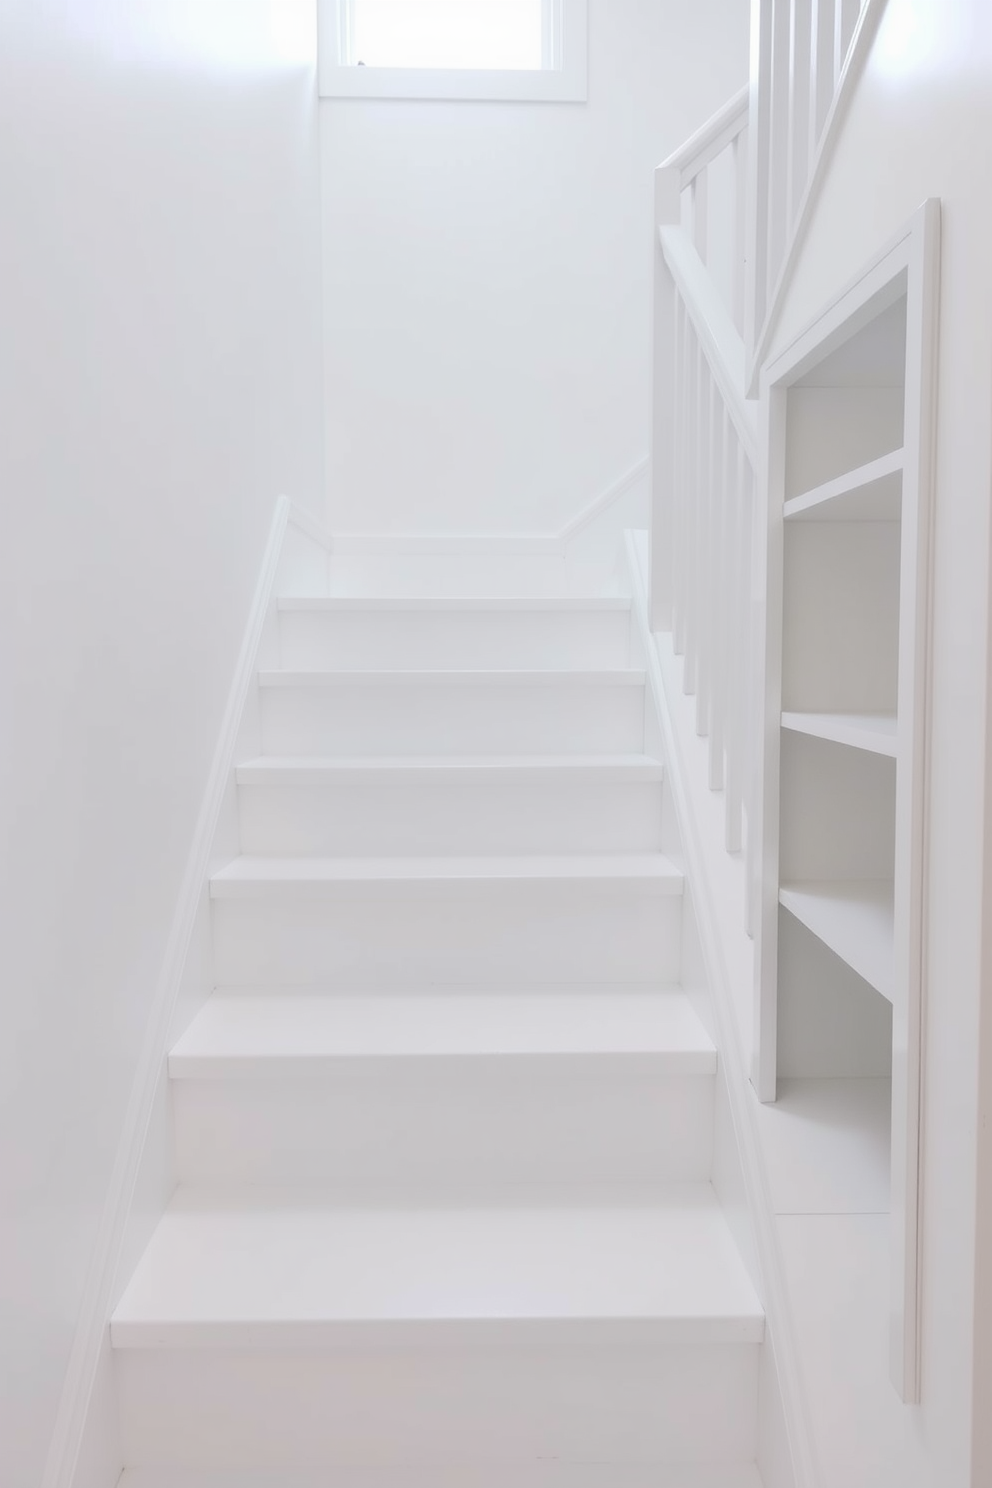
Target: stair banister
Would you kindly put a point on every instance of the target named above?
(806, 57)
(704, 454)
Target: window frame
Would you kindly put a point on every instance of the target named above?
(562, 78)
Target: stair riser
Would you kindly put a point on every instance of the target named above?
(580, 1398)
(597, 1119)
(527, 935)
(452, 718)
(431, 820)
(471, 639)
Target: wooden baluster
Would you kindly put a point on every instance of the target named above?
(678, 491)
(822, 68)
(800, 90)
(718, 595)
(692, 518)
(699, 197)
(780, 125)
(738, 601)
(740, 162)
(704, 550)
(664, 401)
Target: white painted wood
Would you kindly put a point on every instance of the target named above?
(710, 141)
(854, 917)
(827, 1146)
(887, 315)
(247, 1037)
(389, 634)
(561, 1393)
(719, 889)
(464, 713)
(534, 1086)
(777, 231)
(875, 732)
(501, 807)
(280, 1270)
(526, 1475)
(338, 879)
(873, 493)
(487, 931)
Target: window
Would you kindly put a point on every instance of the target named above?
(526, 50)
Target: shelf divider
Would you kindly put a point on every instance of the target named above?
(874, 732)
(872, 493)
(854, 917)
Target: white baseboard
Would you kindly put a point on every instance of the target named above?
(501, 544)
(80, 1452)
(716, 886)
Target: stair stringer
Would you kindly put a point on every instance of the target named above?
(718, 973)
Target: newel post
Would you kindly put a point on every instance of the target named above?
(664, 393)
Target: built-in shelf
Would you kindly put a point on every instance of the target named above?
(854, 918)
(875, 732)
(872, 493)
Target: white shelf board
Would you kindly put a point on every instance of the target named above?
(872, 493)
(875, 732)
(854, 917)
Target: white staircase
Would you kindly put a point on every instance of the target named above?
(444, 1130)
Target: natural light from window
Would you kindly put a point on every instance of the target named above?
(476, 34)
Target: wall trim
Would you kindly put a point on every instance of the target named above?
(714, 930)
(861, 43)
(299, 517)
(515, 544)
(77, 1390)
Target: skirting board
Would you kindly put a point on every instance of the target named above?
(717, 931)
(498, 544)
(82, 1407)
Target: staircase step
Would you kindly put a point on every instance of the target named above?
(255, 877)
(259, 1269)
(432, 805)
(540, 1475)
(528, 712)
(567, 1085)
(489, 632)
(307, 1330)
(251, 1036)
(394, 922)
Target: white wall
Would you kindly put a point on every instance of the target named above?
(487, 280)
(159, 386)
(920, 126)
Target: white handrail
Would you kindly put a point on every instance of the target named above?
(711, 140)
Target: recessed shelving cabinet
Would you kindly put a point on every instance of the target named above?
(840, 994)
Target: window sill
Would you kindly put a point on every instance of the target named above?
(454, 84)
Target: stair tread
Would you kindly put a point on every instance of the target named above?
(482, 677)
(272, 1267)
(249, 874)
(245, 1034)
(520, 1475)
(495, 604)
(573, 768)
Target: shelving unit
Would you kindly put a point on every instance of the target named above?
(875, 732)
(854, 918)
(840, 962)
